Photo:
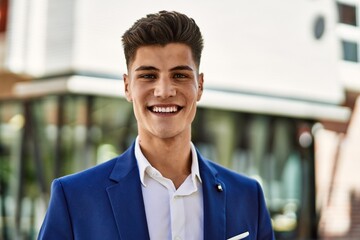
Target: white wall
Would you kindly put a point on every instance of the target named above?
(254, 46)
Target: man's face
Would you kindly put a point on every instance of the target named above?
(164, 85)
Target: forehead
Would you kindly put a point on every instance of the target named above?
(163, 56)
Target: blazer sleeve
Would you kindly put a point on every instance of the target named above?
(57, 222)
(265, 230)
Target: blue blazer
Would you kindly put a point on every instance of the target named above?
(106, 202)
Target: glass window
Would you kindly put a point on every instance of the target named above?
(49, 137)
(347, 14)
(350, 51)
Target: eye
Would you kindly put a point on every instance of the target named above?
(147, 76)
(179, 75)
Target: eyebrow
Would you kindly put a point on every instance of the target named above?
(146, 68)
(182, 67)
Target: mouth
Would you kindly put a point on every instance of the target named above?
(170, 109)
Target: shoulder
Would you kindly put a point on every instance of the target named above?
(106, 171)
(234, 181)
(229, 174)
(94, 173)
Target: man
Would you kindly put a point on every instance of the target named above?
(161, 187)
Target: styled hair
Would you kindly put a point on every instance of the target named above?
(160, 29)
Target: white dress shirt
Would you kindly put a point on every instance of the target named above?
(171, 214)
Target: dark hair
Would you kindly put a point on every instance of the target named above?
(160, 29)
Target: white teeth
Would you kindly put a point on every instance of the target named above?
(165, 109)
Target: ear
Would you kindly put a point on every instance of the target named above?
(127, 88)
(200, 86)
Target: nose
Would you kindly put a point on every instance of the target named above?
(164, 88)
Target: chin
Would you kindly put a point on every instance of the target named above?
(166, 134)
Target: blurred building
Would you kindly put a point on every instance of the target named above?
(337, 151)
(281, 78)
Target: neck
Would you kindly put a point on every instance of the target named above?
(171, 156)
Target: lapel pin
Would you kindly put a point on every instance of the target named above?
(219, 187)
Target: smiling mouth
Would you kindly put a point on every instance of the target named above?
(165, 109)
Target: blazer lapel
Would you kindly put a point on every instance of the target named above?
(214, 194)
(126, 198)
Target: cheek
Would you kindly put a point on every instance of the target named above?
(192, 98)
(139, 103)
(194, 94)
(137, 95)
(141, 91)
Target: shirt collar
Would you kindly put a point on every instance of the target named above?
(143, 163)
